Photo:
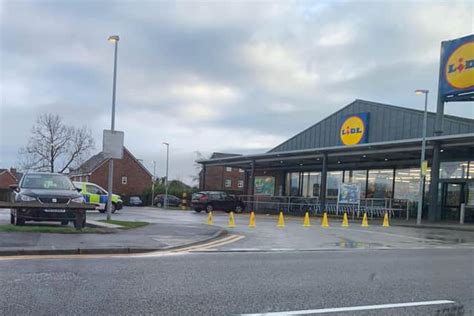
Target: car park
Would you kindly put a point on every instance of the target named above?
(46, 189)
(172, 200)
(216, 200)
(94, 194)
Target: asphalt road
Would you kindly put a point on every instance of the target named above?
(234, 283)
(264, 270)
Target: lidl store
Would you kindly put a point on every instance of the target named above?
(376, 146)
(366, 157)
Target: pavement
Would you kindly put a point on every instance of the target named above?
(153, 237)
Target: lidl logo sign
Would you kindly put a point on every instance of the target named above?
(457, 69)
(354, 129)
(460, 67)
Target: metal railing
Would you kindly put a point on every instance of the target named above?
(297, 205)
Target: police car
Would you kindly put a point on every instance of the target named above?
(94, 194)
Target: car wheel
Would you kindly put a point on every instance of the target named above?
(239, 209)
(102, 211)
(12, 219)
(209, 208)
(159, 204)
(64, 223)
(114, 208)
(197, 210)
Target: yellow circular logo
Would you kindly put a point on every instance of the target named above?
(352, 130)
(459, 70)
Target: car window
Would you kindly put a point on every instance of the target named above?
(47, 182)
(93, 189)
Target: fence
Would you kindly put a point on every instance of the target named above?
(299, 205)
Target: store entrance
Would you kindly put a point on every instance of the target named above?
(453, 194)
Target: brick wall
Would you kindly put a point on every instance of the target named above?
(138, 180)
(6, 179)
(216, 176)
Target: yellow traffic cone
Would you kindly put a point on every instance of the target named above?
(345, 221)
(209, 218)
(365, 222)
(306, 222)
(281, 220)
(385, 220)
(231, 220)
(325, 222)
(252, 220)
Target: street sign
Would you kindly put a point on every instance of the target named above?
(424, 167)
(112, 144)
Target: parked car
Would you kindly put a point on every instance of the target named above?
(45, 187)
(135, 201)
(94, 194)
(216, 200)
(172, 200)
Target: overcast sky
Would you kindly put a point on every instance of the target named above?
(235, 77)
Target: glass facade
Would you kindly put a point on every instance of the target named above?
(357, 176)
(334, 178)
(407, 184)
(453, 170)
(380, 183)
(311, 182)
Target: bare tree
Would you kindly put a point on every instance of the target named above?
(54, 146)
(199, 156)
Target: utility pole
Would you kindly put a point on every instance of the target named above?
(422, 159)
(166, 179)
(153, 184)
(114, 39)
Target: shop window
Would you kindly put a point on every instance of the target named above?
(228, 183)
(357, 176)
(228, 169)
(292, 184)
(240, 183)
(311, 182)
(407, 184)
(334, 179)
(380, 184)
(471, 170)
(453, 170)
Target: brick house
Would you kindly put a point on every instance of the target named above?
(221, 178)
(130, 176)
(7, 177)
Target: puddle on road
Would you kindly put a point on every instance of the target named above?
(346, 244)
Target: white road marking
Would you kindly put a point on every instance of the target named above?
(357, 308)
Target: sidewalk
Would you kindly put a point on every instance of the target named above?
(153, 237)
(438, 225)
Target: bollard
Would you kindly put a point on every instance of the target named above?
(184, 201)
(209, 218)
(231, 220)
(281, 221)
(462, 212)
(306, 222)
(252, 220)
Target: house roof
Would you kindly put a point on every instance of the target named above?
(17, 175)
(90, 164)
(97, 160)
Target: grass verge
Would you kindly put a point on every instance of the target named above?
(39, 228)
(125, 224)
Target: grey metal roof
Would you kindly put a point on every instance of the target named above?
(386, 123)
(223, 155)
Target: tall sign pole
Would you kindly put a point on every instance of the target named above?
(114, 39)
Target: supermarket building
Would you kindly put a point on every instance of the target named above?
(374, 145)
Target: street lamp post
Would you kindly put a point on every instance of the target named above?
(114, 39)
(153, 183)
(166, 179)
(422, 159)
